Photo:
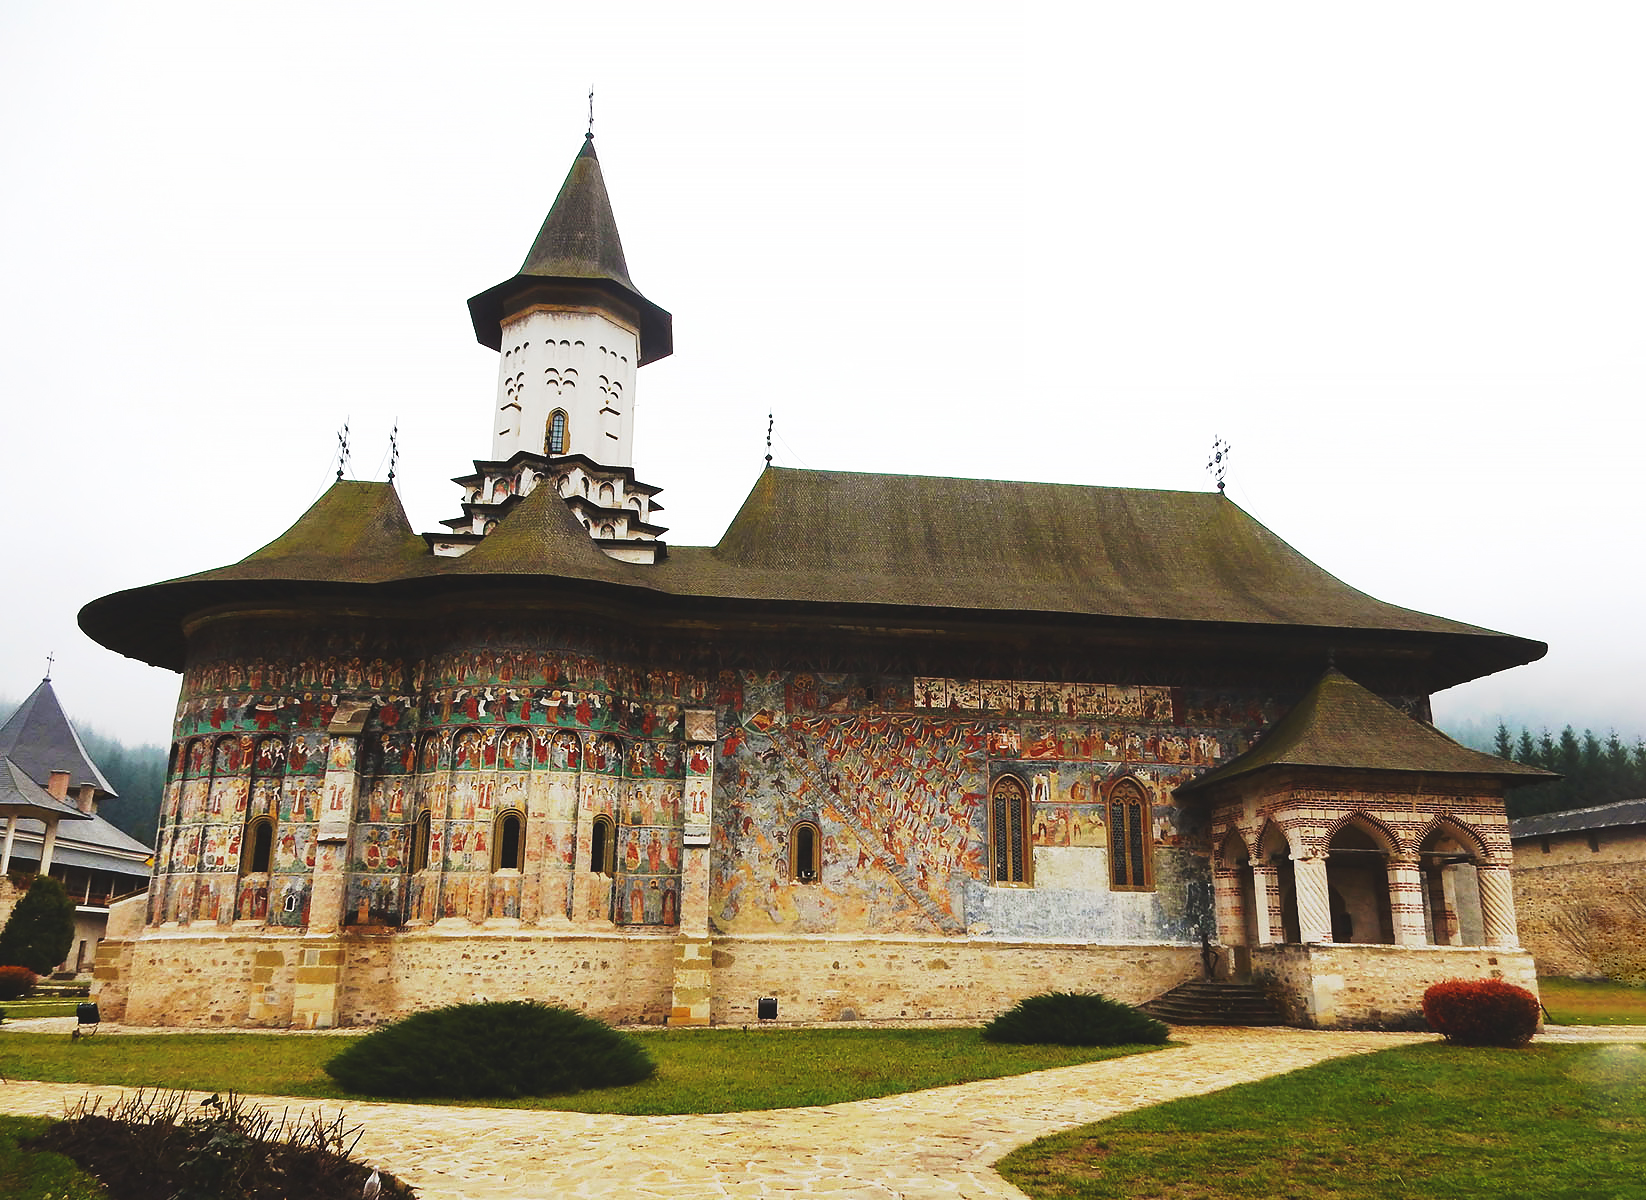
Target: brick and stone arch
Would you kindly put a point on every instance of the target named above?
(1360, 852)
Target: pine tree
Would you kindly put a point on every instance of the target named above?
(41, 928)
(1502, 744)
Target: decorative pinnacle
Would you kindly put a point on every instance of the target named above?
(1218, 464)
(51, 657)
(769, 439)
(589, 136)
(342, 448)
(394, 448)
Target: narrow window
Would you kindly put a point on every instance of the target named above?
(1009, 831)
(259, 846)
(420, 841)
(600, 846)
(506, 842)
(806, 853)
(556, 440)
(1130, 843)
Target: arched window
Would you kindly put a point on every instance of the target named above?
(1131, 844)
(555, 440)
(806, 852)
(259, 846)
(420, 841)
(1009, 855)
(602, 851)
(508, 841)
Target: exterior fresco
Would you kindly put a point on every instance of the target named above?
(895, 772)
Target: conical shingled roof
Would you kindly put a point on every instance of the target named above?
(577, 245)
(40, 739)
(539, 536)
(1340, 725)
(21, 797)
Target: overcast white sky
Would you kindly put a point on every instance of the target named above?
(1394, 253)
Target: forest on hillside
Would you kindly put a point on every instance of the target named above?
(1594, 770)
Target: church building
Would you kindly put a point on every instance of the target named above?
(894, 747)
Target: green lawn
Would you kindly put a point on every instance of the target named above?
(1429, 1122)
(38, 1006)
(39, 1175)
(1592, 1002)
(717, 1070)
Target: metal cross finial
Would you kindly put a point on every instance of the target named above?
(1218, 464)
(394, 448)
(51, 657)
(342, 448)
(769, 420)
(590, 133)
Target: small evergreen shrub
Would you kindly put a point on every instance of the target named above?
(512, 1048)
(1075, 1019)
(1481, 1012)
(15, 982)
(41, 928)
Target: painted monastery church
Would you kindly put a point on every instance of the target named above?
(895, 747)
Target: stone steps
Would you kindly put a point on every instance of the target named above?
(1215, 1002)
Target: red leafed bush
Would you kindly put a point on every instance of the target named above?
(15, 982)
(1481, 1012)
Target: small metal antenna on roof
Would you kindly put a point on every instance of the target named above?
(394, 448)
(1218, 464)
(342, 448)
(51, 657)
(769, 420)
(590, 133)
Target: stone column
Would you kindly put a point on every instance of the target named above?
(1227, 904)
(11, 837)
(1406, 902)
(1497, 905)
(1441, 888)
(1266, 899)
(319, 972)
(693, 951)
(1314, 909)
(47, 845)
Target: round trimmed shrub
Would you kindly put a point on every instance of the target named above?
(506, 1048)
(1481, 1012)
(15, 982)
(1075, 1019)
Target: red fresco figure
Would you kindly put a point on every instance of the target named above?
(584, 713)
(653, 854)
(734, 739)
(637, 906)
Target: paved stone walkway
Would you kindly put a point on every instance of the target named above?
(932, 1145)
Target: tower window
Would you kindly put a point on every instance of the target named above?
(506, 844)
(259, 846)
(806, 853)
(420, 841)
(1009, 854)
(602, 853)
(1131, 845)
(555, 441)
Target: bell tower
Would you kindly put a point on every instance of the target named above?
(571, 330)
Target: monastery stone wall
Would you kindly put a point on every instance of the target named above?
(1329, 986)
(845, 979)
(1582, 910)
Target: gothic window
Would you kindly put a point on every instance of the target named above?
(1131, 845)
(259, 846)
(806, 853)
(555, 441)
(1009, 854)
(508, 841)
(420, 841)
(602, 851)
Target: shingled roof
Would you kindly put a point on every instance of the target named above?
(847, 543)
(1580, 820)
(20, 796)
(1339, 725)
(40, 739)
(577, 244)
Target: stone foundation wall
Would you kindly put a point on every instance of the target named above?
(1377, 987)
(843, 979)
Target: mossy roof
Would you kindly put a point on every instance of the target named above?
(841, 542)
(1340, 726)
